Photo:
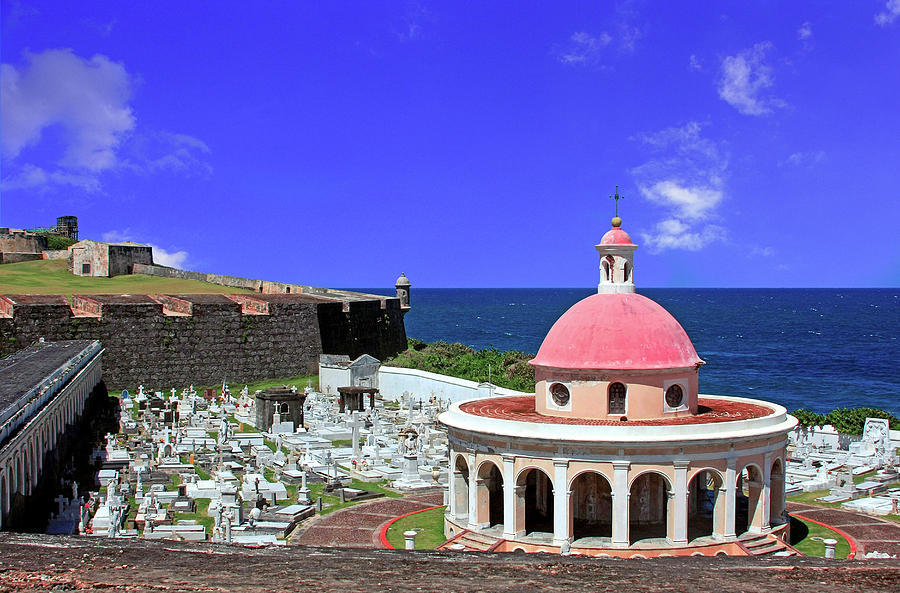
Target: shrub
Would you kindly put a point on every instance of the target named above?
(809, 418)
(852, 420)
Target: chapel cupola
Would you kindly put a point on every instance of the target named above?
(616, 257)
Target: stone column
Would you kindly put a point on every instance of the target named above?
(680, 512)
(561, 494)
(730, 499)
(620, 495)
(766, 494)
(519, 492)
(509, 497)
(473, 493)
(451, 487)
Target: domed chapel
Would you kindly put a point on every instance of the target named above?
(617, 453)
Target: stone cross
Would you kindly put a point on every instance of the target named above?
(61, 501)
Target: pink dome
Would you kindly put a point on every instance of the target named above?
(616, 236)
(617, 331)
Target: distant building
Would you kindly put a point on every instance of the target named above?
(92, 258)
(17, 245)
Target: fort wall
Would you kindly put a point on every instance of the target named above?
(259, 286)
(166, 341)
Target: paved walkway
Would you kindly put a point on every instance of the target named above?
(359, 526)
(871, 533)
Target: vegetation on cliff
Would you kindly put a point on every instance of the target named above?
(845, 420)
(507, 369)
(58, 242)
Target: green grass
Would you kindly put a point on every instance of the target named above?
(810, 497)
(429, 524)
(334, 502)
(53, 277)
(814, 547)
(199, 515)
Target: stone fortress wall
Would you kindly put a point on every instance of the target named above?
(17, 245)
(165, 341)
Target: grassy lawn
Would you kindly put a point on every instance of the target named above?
(199, 515)
(53, 277)
(429, 524)
(333, 503)
(807, 538)
(810, 497)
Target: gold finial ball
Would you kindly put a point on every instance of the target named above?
(616, 221)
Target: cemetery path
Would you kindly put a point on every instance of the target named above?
(359, 526)
(871, 533)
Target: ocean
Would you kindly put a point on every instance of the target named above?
(802, 348)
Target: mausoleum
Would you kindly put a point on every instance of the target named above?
(617, 453)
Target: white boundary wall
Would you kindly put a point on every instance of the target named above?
(393, 381)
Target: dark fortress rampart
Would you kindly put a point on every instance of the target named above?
(174, 340)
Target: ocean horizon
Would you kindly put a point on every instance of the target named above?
(815, 348)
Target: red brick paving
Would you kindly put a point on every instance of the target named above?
(521, 409)
(359, 526)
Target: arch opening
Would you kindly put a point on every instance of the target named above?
(490, 495)
(776, 494)
(591, 506)
(461, 488)
(536, 491)
(649, 508)
(706, 505)
(748, 515)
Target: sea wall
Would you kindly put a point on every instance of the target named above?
(166, 341)
(393, 381)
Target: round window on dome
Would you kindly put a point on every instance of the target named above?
(560, 394)
(674, 396)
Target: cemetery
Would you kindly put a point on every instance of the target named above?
(195, 464)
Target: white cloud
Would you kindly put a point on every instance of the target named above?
(88, 98)
(584, 48)
(165, 151)
(30, 176)
(688, 202)
(88, 101)
(890, 14)
(162, 257)
(805, 31)
(674, 234)
(174, 259)
(762, 251)
(694, 64)
(686, 178)
(805, 159)
(745, 77)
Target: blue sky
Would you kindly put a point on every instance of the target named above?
(339, 144)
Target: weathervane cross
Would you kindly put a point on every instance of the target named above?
(617, 197)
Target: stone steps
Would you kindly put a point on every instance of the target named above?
(472, 542)
(765, 545)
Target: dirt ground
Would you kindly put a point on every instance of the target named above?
(50, 563)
